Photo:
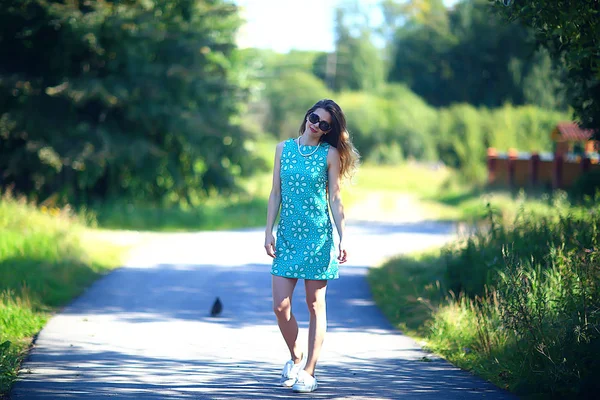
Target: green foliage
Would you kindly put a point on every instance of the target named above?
(516, 303)
(571, 33)
(587, 186)
(469, 54)
(215, 214)
(288, 98)
(393, 117)
(356, 63)
(466, 58)
(461, 141)
(120, 99)
(524, 128)
(386, 154)
(367, 122)
(475, 264)
(393, 124)
(413, 122)
(464, 133)
(542, 85)
(553, 309)
(44, 263)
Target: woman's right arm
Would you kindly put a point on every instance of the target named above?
(274, 203)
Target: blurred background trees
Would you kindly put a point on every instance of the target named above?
(570, 31)
(151, 100)
(134, 99)
(426, 83)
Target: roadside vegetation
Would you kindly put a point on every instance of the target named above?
(516, 302)
(47, 258)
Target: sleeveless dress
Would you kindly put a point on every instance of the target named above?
(304, 247)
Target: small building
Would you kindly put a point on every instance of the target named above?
(569, 138)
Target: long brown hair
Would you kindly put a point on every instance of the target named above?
(337, 136)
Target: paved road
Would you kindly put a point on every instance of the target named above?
(143, 332)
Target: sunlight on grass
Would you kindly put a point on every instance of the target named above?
(418, 179)
(44, 264)
(520, 290)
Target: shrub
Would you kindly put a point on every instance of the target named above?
(587, 185)
(530, 291)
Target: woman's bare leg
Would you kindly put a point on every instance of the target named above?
(315, 299)
(283, 288)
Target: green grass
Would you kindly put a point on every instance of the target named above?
(411, 293)
(407, 289)
(215, 214)
(517, 303)
(47, 257)
(469, 203)
(419, 179)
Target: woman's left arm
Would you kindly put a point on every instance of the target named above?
(335, 199)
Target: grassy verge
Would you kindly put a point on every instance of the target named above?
(517, 303)
(374, 188)
(45, 261)
(215, 214)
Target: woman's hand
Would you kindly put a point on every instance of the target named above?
(343, 255)
(270, 244)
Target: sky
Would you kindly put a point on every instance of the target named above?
(282, 25)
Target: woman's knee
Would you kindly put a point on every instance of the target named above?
(282, 308)
(316, 306)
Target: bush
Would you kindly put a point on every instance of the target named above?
(289, 96)
(587, 185)
(386, 154)
(518, 303)
(541, 281)
(393, 117)
(553, 310)
(527, 128)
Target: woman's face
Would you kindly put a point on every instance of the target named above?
(314, 126)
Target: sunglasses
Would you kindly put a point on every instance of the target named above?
(323, 125)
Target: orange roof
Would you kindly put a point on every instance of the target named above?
(571, 132)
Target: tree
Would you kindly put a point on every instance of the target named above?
(468, 54)
(288, 97)
(570, 30)
(356, 63)
(104, 99)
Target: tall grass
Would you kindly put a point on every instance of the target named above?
(518, 303)
(43, 265)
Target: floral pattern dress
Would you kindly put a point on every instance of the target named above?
(304, 247)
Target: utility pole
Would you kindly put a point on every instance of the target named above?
(331, 69)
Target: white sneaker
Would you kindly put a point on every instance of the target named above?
(305, 383)
(290, 372)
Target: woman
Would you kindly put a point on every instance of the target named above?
(306, 176)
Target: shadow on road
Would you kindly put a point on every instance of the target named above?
(208, 379)
(186, 292)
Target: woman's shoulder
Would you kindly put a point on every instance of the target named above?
(332, 151)
(281, 145)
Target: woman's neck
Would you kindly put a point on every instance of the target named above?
(307, 140)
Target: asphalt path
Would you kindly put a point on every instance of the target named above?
(144, 330)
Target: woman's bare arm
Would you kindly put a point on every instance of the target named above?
(274, 203)
(335, 199)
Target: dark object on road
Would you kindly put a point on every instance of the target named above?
(216, 308)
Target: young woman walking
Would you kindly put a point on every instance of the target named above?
(306, 184)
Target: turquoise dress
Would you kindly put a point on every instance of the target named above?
(304, 246)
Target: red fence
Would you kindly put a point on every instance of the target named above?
(514, 169)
